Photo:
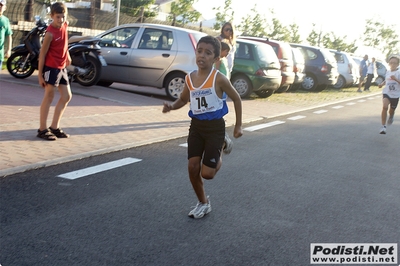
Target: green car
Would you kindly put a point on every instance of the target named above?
(256, 69)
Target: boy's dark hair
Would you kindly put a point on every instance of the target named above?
(58, 8)
(395, 57)
(214, 42)
(225, 46)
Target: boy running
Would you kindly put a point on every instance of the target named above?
(391, 92)
(205, 88)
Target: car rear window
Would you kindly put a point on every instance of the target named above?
(266, 54)
(339, 57)
(329, 58)
(243, 51)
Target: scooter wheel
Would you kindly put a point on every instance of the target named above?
(17, 66)
(93, 76)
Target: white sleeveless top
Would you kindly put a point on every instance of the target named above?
(204, 101)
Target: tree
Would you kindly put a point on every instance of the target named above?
(133, 7)
(294, 33)
(382, 37)
(254, 24)
(331, 41)
(181, 11)
(223, 15)
(279, 31)
(314, 37)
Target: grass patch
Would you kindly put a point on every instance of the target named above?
(303, 98)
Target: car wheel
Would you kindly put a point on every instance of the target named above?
(309, 83)
(242, 85)
(340, 83)
(293, 87)
(264, 93)
(321, 87)
(282, 89)
(379, 80)
(104, 83)
(174, 84)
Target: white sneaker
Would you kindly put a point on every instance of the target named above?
(200, 210)
(383, 130)
(228, 144)
(390, 120)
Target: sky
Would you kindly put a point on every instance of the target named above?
(342, 17)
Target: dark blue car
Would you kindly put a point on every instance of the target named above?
(320, 67)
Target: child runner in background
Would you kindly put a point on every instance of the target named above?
(222, 63)
(391, 92)
(53, 60)
(207, 138)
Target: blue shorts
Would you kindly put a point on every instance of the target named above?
(393, 101)
(205, 140)
(55, 76)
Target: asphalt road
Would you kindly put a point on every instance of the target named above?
(318, 176)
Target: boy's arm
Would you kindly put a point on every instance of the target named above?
(382, 84)
(227, 87)
(69, 59)
(42, 56)
(9, 45)
(178, 103)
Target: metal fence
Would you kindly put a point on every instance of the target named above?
(86, 18)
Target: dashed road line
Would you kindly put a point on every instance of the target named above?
(261, 126)
(320, 112)
(297, 117)
(98, 168)
(293, 118)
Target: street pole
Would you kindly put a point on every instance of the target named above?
(118, 8)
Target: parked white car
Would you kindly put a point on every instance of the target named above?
(349, 73)
(149, 55)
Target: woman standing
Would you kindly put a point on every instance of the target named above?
(228, 35)
(371, 73)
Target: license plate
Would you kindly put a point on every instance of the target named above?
(102, 60)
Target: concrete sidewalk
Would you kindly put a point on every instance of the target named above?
(100, 120)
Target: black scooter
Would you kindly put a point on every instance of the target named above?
(86, 64)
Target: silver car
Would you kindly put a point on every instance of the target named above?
(149, 55)
(349, 73)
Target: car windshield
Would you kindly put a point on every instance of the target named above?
(266, 54)
(329, 57)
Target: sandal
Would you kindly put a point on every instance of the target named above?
(59, 133)
(46, 134)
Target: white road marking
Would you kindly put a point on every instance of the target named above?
(296, 117)
(371, 98)
(183, 145)
(351, 103)
(361, 101)
(320, 112)
(337, 107)
(99, 168)
(261, 126)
